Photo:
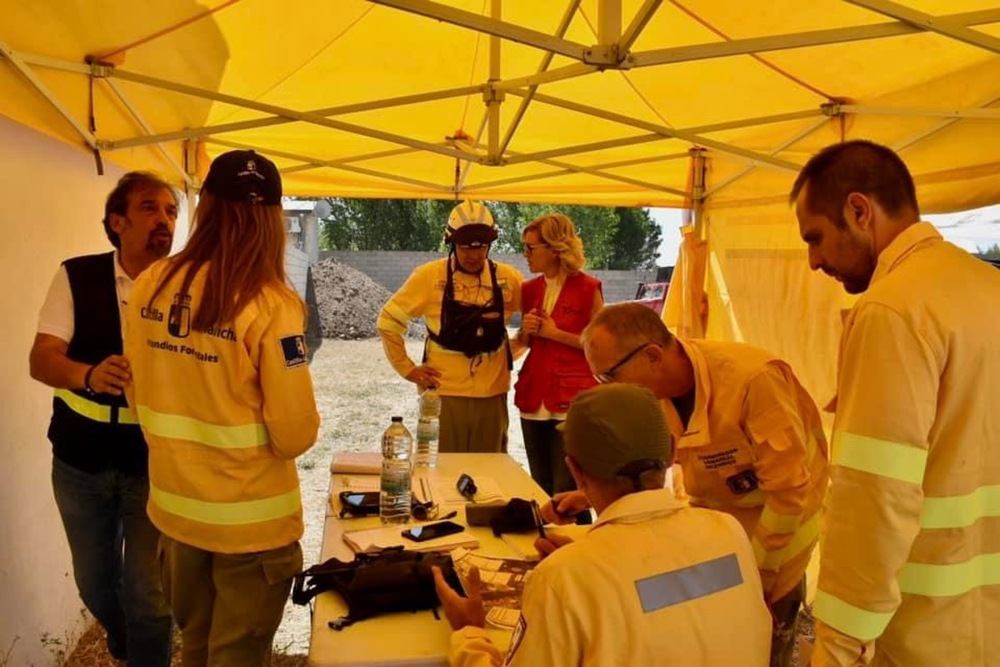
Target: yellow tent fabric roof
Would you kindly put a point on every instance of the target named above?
(290, 71)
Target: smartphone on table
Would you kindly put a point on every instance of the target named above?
(431, 531)
(359, 503)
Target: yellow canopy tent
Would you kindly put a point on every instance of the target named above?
(711, 104)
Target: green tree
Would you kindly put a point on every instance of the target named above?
(989, 252)
(613, 238)
(378, 224)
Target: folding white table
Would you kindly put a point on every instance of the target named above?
(412, 639)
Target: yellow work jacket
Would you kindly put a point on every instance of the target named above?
(225, 413)
(481, 376)
(652, 583)
(910, 566)
(754, 447)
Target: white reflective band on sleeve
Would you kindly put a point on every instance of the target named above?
(689, 583)
(884, 458)
(961, 511)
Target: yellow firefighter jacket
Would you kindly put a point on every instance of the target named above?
(910, 567)
(225, 413)
(652, 583)
(754, 447)
(482, 376)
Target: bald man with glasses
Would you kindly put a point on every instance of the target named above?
(749, 442)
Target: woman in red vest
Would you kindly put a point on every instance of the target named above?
(557, 305)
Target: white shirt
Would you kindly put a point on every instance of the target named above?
(653, 583)
(56, 317)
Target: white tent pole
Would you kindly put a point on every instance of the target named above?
(785, 144)
(938, 24)
(344, 167)
(638, 24)
(801, 39)
(493, 96)
(289, 113)
(562, 172)
(906, 143)
(145, 128)
(317, 164)
(511, 31)
(561, 29)
(468, 165)
(670, 132)
(585, 148)
(195, 133)
(22, 67)
(609, 21)
(978, 113)
(612, 177)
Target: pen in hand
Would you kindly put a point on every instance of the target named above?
(538, 519)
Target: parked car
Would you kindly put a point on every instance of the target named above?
(652, 295)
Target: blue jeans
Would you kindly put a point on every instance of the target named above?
(113, 545)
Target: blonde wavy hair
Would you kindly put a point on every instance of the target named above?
(559, 232)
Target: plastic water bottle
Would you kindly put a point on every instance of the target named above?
(428, 427)
(394, 492)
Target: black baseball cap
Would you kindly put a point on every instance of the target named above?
(244, 176)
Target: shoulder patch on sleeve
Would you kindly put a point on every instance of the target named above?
(516, 637)
(293, 348)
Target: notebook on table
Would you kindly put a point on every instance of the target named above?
(385, 537)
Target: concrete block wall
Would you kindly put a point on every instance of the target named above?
(392, 267)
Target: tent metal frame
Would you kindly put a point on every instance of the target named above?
(613, 50)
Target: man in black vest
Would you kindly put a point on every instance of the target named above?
(99, 466)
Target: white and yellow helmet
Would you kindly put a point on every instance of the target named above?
(470, 223)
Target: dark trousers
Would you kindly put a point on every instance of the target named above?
(785, 613)
(543, 444)
(113, 545)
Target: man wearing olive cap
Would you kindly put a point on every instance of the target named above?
(466, 301)
(653, 582)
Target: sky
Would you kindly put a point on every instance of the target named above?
(972, 230)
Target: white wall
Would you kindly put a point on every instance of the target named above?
(51, 204)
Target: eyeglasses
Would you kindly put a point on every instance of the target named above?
(608, 376)
(530, 247)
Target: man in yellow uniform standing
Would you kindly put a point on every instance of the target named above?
(749, 442)
(466, 301)
(654, 582)
(910, 567)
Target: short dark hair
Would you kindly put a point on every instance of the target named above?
(117, 202)
(855, 166)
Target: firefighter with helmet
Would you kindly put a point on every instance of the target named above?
(466, 300)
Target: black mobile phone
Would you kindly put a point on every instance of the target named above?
(359, 503)
(432, 531)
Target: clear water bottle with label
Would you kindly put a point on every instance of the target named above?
(395, 488)
(428, 428)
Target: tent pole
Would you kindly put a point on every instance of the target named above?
(494, 97)
(26, 71)
(567, 18)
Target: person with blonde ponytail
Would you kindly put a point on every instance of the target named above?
(558, 304)
(222, 391)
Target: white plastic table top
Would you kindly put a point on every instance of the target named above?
(412, 639)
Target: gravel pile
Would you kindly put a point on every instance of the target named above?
(349, 302)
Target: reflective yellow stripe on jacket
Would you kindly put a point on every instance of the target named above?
(194, 430)
(94, 411)
(228, 514)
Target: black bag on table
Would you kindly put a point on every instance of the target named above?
(378, 583)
